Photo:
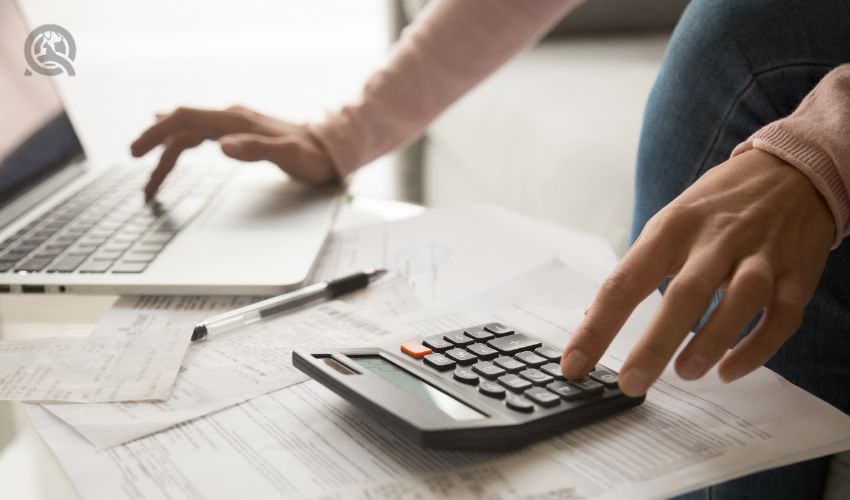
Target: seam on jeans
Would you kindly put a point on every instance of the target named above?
(752, 81)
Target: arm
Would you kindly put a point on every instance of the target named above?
(759, 226)
(816, 140)
(451, 46)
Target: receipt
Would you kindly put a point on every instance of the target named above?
(126, 365)
(235, 366)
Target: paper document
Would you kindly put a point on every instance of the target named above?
(126, 365)
(304, 441)
(449, 254)
(233, 366)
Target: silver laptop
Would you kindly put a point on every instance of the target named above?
(68, 227)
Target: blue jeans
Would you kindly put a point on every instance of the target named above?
(733, 66)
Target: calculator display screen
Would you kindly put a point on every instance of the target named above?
(418, 388)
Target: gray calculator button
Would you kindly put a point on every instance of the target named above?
(488, 370)
(543, 397)
(482, 351)
(466, 376)
(478, 333)
(550, 353)
(530, 358)
(458, 339)
(536, 377)
(498, 329)
(514, 383)
(565, 390)
(513, 343)
(605, 377)
(587, 385)
(553, 370)
(438, 361)
(491, 389)
(509, 364)
(461, 356)
(437, 343)
(519, 403)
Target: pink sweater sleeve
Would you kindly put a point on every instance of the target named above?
(816, 139)
(450, 47)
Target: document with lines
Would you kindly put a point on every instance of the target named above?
(304, 441)
(228, 368)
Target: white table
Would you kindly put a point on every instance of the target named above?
(28, 470)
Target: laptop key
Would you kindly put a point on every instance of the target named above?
(129, 267)
(139, 257)
(34, 265)
(66, 264)
(96, 266)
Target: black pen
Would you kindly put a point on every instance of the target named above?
(260, 310)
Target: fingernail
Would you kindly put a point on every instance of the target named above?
(733, 372)
(634, 382)
(693, 366)
(574, 365)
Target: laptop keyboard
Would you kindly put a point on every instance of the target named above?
(106, 227)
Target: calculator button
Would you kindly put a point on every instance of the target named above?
(461, 356)
(466, 376)
(513, 343)
(530, 358)
(519, 403)
(605, 377)
(438, 361)
(498, 329)
(437, 343)
(565, 390)
(488, 370)
(536, 377)
(587, 385)
(458, 339)
(552, 369)
(482, 351)
(550, 353)
(415, 350)
(514, 383)
(509, 364)
(543, 397)
(491, 389)
(478, 333)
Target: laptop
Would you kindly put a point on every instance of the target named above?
(67, 226)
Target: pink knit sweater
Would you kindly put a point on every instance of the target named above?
(454, 44)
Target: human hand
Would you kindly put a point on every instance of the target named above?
(754, 226)
(243, 134)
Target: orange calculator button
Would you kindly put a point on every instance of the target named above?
(415, 350)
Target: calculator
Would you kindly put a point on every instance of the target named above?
(487, 387)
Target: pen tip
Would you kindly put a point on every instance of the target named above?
(199, 333)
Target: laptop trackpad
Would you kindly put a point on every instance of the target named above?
(267, 202)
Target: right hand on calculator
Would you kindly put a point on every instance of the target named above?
(243, 134)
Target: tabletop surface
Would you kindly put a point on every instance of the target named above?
(28, 469)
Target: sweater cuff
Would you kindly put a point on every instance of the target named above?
(810, 160)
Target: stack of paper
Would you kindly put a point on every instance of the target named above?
(303, 441)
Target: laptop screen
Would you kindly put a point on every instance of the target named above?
(36, 137)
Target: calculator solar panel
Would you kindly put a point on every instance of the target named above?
(486, 387)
